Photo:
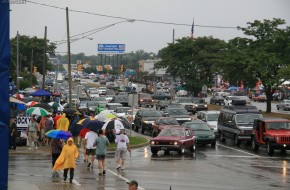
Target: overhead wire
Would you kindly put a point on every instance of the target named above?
(140, 20)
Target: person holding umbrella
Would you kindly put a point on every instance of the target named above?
(55, 149)
(66, 159)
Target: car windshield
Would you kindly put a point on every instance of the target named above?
(199, 101)
(198, 126)
(122, 110)
(212, 117)
(92, 103)
(247, 118)
(177, 111)
(184, 100)
(278, 125)
(168, 121)
(151, 114)
(172, 132)
(102, 105)
(100, 99)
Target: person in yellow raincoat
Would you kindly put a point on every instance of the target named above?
(66, 159)
(63, 123)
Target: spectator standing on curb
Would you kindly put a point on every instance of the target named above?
(55, 148)
(122, 147)
(101, 144)
(132, 185)
(90, 138)
(12, 133)
(67, 159)
(31, 133)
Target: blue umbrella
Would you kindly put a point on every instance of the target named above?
(58, 134)
(94, 125)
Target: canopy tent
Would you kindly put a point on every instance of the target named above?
(41, 92)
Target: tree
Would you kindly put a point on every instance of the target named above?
(264, 56)
(192, 60)
(26, 45)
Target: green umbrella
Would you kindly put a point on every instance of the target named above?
(37, 111)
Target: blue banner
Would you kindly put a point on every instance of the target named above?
(4, 92)
(111, 48)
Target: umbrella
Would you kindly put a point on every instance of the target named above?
(58, 134)
(94, 125)
(43, 105)
(84, 122)
(56, 106)
(37, 111)
(31, 103)
(105, 116)
(83, 132)
(115, 124)
(14, 100)
(19, 96)
(71, 111)
(232, 88)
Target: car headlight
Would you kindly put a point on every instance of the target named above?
(175, 143)
(147, 122)
(205, 105)
(152, 142)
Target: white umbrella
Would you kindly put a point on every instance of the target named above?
(58, 105)
(105, 115)
(117, 124)
(31, 103)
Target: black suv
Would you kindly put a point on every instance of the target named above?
(144, 119)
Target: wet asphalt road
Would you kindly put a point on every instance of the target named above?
(221, 168)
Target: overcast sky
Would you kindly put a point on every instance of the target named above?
(30, 19)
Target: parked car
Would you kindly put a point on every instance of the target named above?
(160, 96)
(181, 93)
(217, 100)
(273, 133)
(162, 104)
(162, 123)
(228, 100)
(145, 99)
(121, 111)
(210, 117)
(259, 98)
(173, 139)
(186, 102)
(199, 104)
(282, 104)
(144, 119)
(203, 134)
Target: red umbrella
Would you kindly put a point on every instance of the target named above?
(83, 132)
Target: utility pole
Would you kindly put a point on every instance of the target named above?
(173, 36)
(69, 60)
(44, 61)
(31, 68)
(17, 61)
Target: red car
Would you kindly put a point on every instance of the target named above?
(173, 139)
(161, 123)
(260, 98)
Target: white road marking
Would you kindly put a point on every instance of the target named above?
(230, 156)
(123, 178)
(238, 150)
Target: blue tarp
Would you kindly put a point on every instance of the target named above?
(4, 92)
(40, 92)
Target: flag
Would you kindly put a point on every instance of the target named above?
(192, 29)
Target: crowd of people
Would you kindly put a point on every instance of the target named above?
(64, 153)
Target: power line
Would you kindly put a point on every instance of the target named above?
(140, 20)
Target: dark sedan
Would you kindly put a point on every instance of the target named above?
(173, 139)
(204, 135)
(144, 119)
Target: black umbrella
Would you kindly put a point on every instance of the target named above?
(71, 111)
(44, 106)
(115, 124)
(94, 125)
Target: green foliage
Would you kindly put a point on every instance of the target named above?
(26, 45)
(134, 140)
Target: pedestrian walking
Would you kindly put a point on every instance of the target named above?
(66, 160)
(75, 130)
(48, 125)
(55, 149)
(123, 146)
(41, 129)
(90, 138)
(63, 123)
(82, 136)
(31, 133)
(132, 185)
(101, 144)
(12, 133)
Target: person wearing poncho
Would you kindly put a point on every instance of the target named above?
(66, 160)
(63, 123)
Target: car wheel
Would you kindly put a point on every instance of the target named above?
(213, 144)
(277, 107)
(136, 128)
(154, 150)
(222, 138)
(181, 150)
(192, 148)
(255, 147)
(237, 141)
(142, 129)
(269, 149)
(154, 133)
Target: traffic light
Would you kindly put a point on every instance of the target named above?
(80, 67)
(34, 70)
(122, 68)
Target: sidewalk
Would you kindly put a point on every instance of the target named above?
(45, 185)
